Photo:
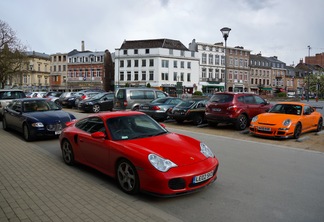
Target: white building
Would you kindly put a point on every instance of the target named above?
(211, 65)
(160, 63)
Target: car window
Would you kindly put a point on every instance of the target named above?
(160, 94)
(16, 106)
(222, 98)
(249, 99)
(175, 101)
(137, 94)
(307, 110)
(259, 100)
(12, 95)
(150, 94)
(91, 125)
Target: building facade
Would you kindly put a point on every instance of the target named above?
(318, 59)
(160, 63)
(58, 75)
(35, 73)
(211, 66)
(260, 75)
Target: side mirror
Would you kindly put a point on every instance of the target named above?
(163, 125)
(98, 135)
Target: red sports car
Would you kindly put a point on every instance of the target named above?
(140, 153)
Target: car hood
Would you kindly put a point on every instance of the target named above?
(180, 149)
(51, 116)
(275, 118)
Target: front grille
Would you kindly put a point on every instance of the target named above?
(54, 127)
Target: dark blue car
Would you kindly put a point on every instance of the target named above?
(35, 118)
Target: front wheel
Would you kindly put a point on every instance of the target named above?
(27, 133)
(4, 124)
(67, 153)
(297, 132)
(241, 122)
(127, 177)
(96, 108)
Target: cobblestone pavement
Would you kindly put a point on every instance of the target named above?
(36, 186)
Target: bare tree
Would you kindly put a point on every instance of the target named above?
(12, 54)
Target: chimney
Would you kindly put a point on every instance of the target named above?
(82, 46)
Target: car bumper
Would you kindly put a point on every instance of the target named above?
(155, 115)
(178, 181)
(220, 118)
(272, 133)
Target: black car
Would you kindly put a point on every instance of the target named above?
(190, 110)
(67, 99)
(35, 117)
(159, 108)
(99, 102)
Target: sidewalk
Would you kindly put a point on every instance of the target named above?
(36, 186)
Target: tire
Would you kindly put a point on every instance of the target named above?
(26, 133)
(67, 153)
(96, 108)
(297, 131)
(241, 122)
(127, 177)
(319, 125)
(198, 119)
(4, 124)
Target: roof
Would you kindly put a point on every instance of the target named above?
(37, 55)
(153, 43)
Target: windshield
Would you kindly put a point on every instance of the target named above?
(133, 127)
(39, 106)
(286, 109)
(97, 95)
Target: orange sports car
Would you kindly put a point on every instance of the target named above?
(287, 120)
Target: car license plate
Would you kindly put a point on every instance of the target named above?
(267, 129)
(145, 107)
(58, 132)
(203, 177)
(216, 109)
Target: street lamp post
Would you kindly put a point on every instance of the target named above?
(91, 73)
(225, 31)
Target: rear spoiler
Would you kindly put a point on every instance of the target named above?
(318, 107)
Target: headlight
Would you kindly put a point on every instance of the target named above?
(286, 122)
(160, 163)
(38, 124)
(71, 99)
(204, 149)
(254, 119)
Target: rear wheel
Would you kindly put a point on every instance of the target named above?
(297, 132)
(241, 122)
(197, 119)
(96, 108)
(319, 125)
(127, 177)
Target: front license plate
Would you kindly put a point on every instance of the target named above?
(264, 129)
(203, 177)
(58, 132)
(216, 109)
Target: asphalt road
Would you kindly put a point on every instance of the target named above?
(257, 181)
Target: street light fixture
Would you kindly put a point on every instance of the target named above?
(225, 31)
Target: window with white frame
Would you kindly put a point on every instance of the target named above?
(165, 63)
(151, 75)
(188, 77)
(175, 76)
(143, 75)
(175, 64)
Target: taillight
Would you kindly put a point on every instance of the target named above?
(83, 97)
(232, 108)
(155, 108)
(125, 103)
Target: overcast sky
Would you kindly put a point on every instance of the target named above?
(283, 28)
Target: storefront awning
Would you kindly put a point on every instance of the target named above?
(267, 89)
